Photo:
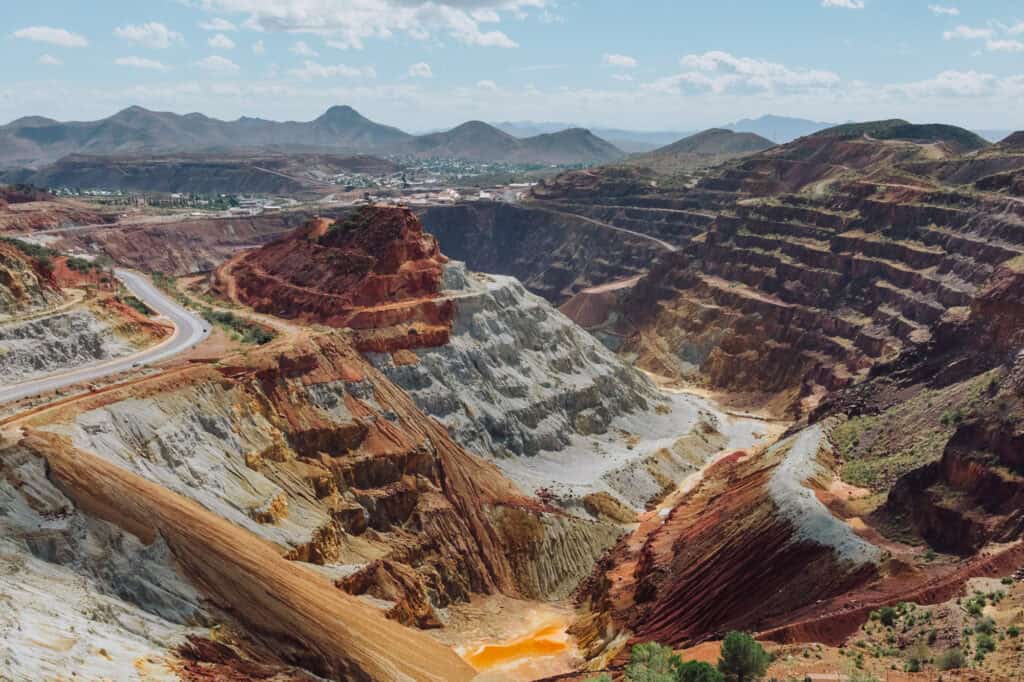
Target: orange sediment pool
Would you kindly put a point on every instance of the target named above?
(547, 641)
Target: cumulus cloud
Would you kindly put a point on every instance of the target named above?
(947, 11)
(217, 64)
(421, 70)
(217, 24)
(968, 33)
(259, 48)
(720, 72)
(347, 24)
(49, 60)
(1004, 46)
(221, 42)
(302, 49)
(845, 4)
(621, 61)
(1016, 29)
(151, 34)
(141, 63)
(622, 77)
(951, 84)
(311, 70)
(54, 36)
(487, 85)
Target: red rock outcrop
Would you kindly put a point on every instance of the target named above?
(376, 270)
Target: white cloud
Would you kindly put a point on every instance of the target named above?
(947, 11)
(53, 36)
(347, 24)
(217, 24)
(487, 85)
(951, 84)
(311, 70)
(721, 72)
(845, 4)
(303, 50)
(141, 63)
(217, 64)
(968, 33)
(421, 70)
(151, 34)
(259, 48)
(621, 77)
(1004, 46)
(621, 61)
(49, 60)
(221, 42)
(1016, 29)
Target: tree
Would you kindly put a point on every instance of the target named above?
(694, 671)
(652, 662)
(742, 659)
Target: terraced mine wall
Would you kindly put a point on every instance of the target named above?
(183, 247)
(553, 254)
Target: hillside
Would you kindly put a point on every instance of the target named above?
(201, 173)
(958, 139)
(478, 141)
(32, 142)
(702, 149)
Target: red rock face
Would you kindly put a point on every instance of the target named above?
(375, 270)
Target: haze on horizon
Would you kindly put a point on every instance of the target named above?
(428, 65)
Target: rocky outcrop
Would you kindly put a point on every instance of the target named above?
(26, 283)
(319, 454)
(374, 270)
(516, 377)
(58, 342)
(753, 520)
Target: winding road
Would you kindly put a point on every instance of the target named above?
(189, 329)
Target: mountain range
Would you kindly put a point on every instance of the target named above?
(35, 141)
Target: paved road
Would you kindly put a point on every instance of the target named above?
(189, 329)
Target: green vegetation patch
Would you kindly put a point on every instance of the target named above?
(240, 328)
(877, 449)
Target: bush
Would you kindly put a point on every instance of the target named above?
(952, 659)
(603, 677)
(695, 671)
(247, 332)
(742, 658)
(888, 616)
(652, 662)
(986, 644)
(985, 626)
(1013, 631)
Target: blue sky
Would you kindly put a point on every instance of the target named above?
(644, 64)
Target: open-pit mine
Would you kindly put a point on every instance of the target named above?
(778, 393)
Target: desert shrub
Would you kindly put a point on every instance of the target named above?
(986, 644)
(887, 615)
(952, 659)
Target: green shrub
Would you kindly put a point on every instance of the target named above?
(603, 677)
(652, 662)
(742, 658)
(1013, 631)
(695, 671)
(952, 659)
(985, 626)
(887, 615)
(986, 644)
